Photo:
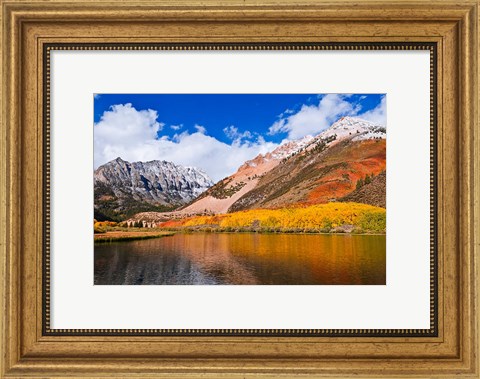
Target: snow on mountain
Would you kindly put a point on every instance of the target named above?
(260, 162)
(153, 182)
(346, 127)
(249, 174)
(291, 147)
(355, 128)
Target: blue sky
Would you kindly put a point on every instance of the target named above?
(216, 132)
(251, 112)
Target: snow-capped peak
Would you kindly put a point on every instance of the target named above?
(159, 181)
(360, 129)
(346, 127)
(291, 147)
(283, 151)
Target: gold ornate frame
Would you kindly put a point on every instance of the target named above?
(30, 27)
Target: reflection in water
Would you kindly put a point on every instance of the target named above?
(243, 258)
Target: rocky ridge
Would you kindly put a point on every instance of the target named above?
(119, 184)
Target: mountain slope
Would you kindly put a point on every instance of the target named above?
(220, 197)
(308, 171)
(316, 177)
(373, 193)
(122, 188)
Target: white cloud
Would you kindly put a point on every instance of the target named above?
(236, 136)
(122, 127)
(96, 96)
(377, 115)
(201, 129)
(132, 135)
(312, 119)
(286, 112)
(176, 127)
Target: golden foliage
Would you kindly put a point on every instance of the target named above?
(315, 217)
(102, 226)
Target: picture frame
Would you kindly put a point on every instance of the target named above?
(31, 29)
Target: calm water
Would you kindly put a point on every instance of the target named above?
(243, 259)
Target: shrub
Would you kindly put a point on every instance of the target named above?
(373, 221)
(99, 228)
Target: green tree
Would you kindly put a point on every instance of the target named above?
(359, 183)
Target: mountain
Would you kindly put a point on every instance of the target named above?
(122, 188)
(312, 170)
(227, 191)
(373, 193)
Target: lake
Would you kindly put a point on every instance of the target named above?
(244, 258)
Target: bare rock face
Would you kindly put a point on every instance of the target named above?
(122, 187)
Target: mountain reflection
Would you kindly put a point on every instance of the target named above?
(244, 258)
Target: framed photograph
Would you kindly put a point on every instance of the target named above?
(239, 190)
(242, 206)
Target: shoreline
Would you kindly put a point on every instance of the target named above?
(217, 231)
(139, 235)
(120, 236)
